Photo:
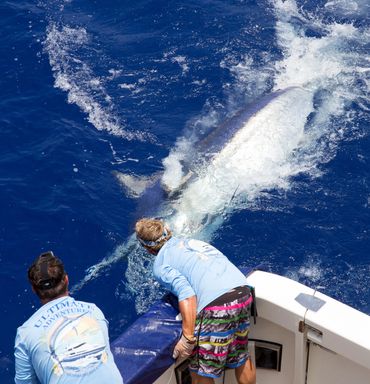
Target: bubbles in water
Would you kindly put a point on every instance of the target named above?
(140, 281)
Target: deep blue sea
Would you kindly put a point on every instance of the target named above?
(97, 95)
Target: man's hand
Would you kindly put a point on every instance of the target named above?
(186, 344)
(183, 348)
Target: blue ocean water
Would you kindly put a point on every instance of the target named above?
(93, 91)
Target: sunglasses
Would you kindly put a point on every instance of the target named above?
(46, 281)
(151, 243)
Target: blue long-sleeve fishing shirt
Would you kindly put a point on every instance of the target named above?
(189, 267)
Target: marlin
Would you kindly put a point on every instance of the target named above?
(201, 180)
(204, 181)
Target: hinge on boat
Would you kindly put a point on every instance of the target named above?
(301, 326)
(312, 334)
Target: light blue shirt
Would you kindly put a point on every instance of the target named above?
(65, 342)
(190, 267)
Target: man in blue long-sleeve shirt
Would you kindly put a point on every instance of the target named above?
(65, 341)
(214, 302)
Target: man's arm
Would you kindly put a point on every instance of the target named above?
(24, 372)
(177, 283)
(188, 310)
(187, 342)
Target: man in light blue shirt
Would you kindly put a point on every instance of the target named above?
(66, 341)
(214, 302)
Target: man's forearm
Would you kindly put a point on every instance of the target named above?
(188, 310)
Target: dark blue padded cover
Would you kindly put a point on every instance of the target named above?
(144, 351)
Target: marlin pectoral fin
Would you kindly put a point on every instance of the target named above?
(133, 185)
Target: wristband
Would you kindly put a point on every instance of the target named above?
(190, 341)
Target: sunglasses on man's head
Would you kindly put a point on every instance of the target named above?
(48, 253)
(46, 281)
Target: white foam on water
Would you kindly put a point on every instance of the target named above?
(348, 7)
(311, 270)
(74, 75)
(251, 80)
(182, 62)
(337, 63)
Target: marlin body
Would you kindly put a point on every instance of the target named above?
(201, 183)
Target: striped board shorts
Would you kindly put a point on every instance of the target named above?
(222, 334)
